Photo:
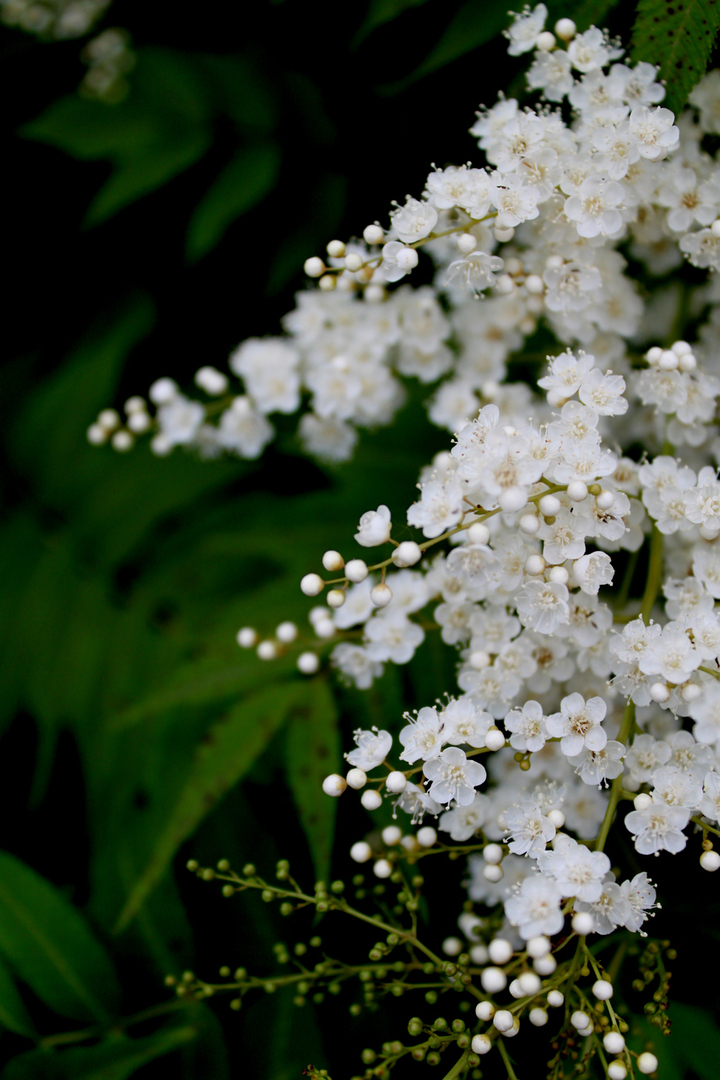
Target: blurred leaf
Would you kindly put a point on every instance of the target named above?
(587, 13)
(472, 25)
(312, 750)
(226, 753)
(695, 1041)
(320, 219)
(114, 1059)
(13, 1014)
(50, 946)
(158, 131)
(242, 91)
(380, 12)
(241, 184)
(678, 39)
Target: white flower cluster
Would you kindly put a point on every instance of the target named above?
(59, 19)
(535, 231)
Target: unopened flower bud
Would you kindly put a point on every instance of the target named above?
(396, 782)
(356, 779)
(371, 799)
(333, 561)
(312, 584)
(381, 595)
(334, 784)
(314, 267)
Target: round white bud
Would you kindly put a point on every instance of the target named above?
(659, 692)
(529, 523)
(353, 262)
(642, 801)
(500, 950)
(96, 435)
(534, 564)
(668, 360)
(314, 267)
(577, 490)
(647, 1063)
(333, 561)
(381, 595)
(162, 391)
(318, 612)
(484, 1010)
(395, 782)
(503, 1020)
(371, 799)
(361, 851)
(479, 659)
(286, 631)
(478, 533)
(534, 284)
(267, 650)
(653, 355)
(452, 946)
(407, 258)
(246, 637)
(466, 243)
(335, 249)
(602, 989)
(554, 262)
(108, 419)
(546, 41)
(409, 843)
(681, 347)
(555, 999)
(391, 834)
(617, 1070)
(356, 570)
(538, 946)
(308, 663)
(373, 234)
(212, 381)
(375, 294)
(549, 505)
(690, 692)
(161, 446)
(614, 1042)
(528, 325)
(705, 531)
(545, 965)
(530, 983)
(580, 1020)
(312, 584)
(516, 989)
(481, 1044)
(122, 441)
(559, 574)
(504, 284)
(407, 553)
(324, 628)
(538, 1017)
(335, 598)
(557, 818)
(715, 228)
(328, 283)
(493, 874)
(687, 362)
(604, 500)
(134, 404)
(356, 779)
(334, 784)
(494, 738)
(583, 923)
(479, 955)
(426, 836)
(492, 854)
(382, 868)
(138, 422)
(710, 860)
(565, 29)
(513, 266)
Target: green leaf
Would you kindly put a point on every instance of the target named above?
(50, 946)
(13, 1014)
(695, 1041)
(241, 184)
(114, 1059)
(225, 754)
(473, 24)
(312, 750)
(587, 13)
(678, 38)
(380, 12)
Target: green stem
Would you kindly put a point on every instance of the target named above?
(506, 1060)
(457, 1068)
(617, 785)
(654, 576)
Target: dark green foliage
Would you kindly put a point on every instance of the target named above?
(679, 39)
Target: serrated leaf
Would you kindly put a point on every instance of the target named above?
(678, 39)
(312, 750)
(13, 1014)
(50, 946)
(472, 25)
(114, 1059)
(225, 754)
(239, 187)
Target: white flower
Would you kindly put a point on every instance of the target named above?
(374, 528)
(543, 605)
(592, 571)
(595, 207)
(414, 221)
(530, 830)
(658, 828)
(244, 430)
(441, 507)
(417, 803)
(639, 894)
(575, 870)
(463, 722)
(535, 908)
(671, 655)
(610, 910)
(392, 636)
(528, 727)
(598, 766)
(590, 50)
(452, 776)
(354, 662)
(423, 737)
(644, 757)
(578, 724)
(525, 30)
(180, 419)
(372, 749)
(462, 822)
(604, 393)
(653, 131)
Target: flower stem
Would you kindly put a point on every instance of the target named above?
(617, 786)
